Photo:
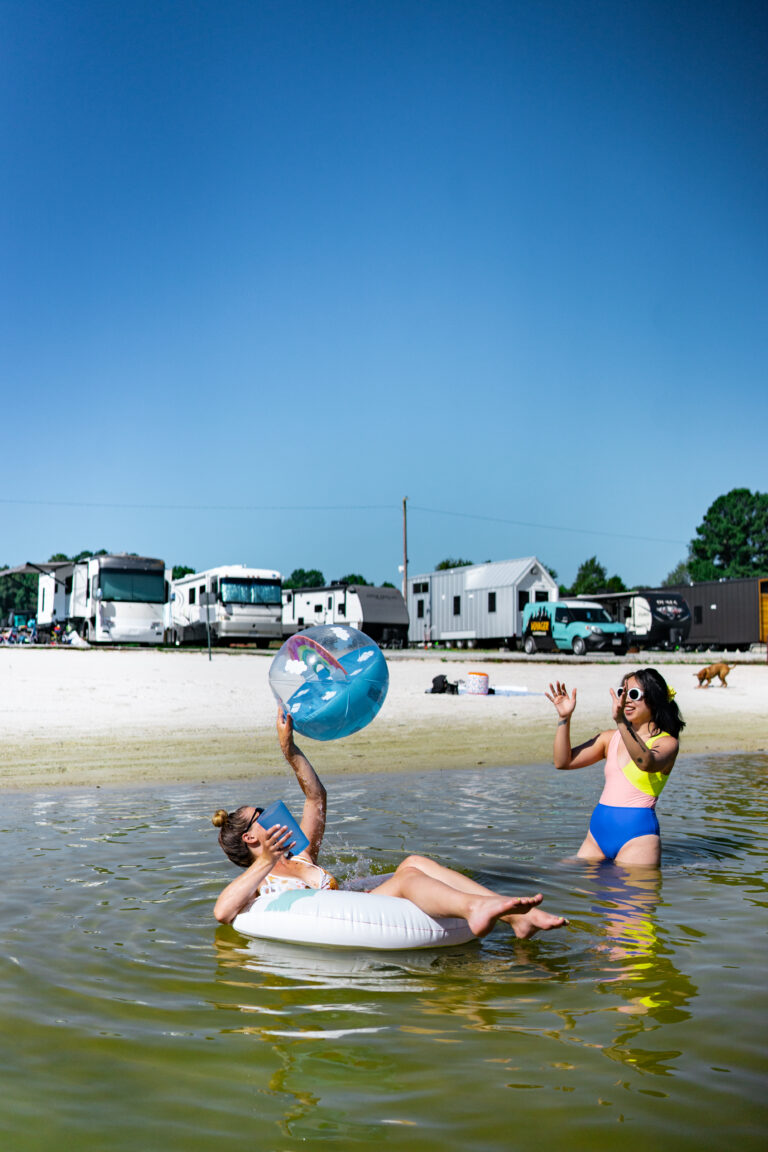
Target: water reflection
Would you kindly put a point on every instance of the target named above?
(111, 952)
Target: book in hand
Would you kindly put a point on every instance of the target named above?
(278, 813)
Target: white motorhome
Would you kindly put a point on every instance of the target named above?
(237, 604)
(116, 599)
(379, 612)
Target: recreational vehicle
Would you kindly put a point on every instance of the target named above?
(106, 599)
(726, 613)
(654, 618)
(236, 603)
(378, 612)
(479, 603)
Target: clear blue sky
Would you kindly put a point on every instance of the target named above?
(267, 268)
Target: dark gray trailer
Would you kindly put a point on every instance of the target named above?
(727, 613)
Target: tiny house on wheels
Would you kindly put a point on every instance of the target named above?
(727, 613)
(117, 599)
(477, 604)
(237, 603)
(379, 612)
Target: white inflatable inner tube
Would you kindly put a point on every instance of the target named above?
(336, 919)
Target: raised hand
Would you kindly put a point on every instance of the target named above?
(285, 730)
(618, 704)
(564, 704)
(276, 843)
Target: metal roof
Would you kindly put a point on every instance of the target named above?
(494, 574)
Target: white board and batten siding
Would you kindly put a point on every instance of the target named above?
(477, 603)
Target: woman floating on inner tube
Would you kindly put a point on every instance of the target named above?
(438, 891)
(639, 755)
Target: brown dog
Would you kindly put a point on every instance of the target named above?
(708, 674)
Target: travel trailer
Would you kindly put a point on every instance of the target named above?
(477, 604)
(653, 618)
(379, 612)
(116, 599)
(237, 604)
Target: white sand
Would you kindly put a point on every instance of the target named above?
(111, 716)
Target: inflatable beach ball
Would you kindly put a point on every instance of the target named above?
(331, 679)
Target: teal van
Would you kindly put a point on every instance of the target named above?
(576, 626)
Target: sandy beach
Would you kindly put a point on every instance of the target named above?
(102, 717)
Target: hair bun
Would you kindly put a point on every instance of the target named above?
(219, 818)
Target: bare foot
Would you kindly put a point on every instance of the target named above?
(524, 904)
(484, 911)
(537, 920)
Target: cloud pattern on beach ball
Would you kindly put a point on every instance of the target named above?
(332, 680)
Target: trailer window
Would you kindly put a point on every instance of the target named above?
(420, 609)
(542, 596)
(193, 595)
(491, 601)
(132, 587)
(698, 614)
(457, 605)
(522, 599)
(250, 591)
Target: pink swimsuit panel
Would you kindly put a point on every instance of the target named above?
(617, 791)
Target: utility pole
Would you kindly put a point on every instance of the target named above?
(405, 549)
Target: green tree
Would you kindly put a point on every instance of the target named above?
(180, 570)
(592, 577)
(732, 539)
(18, 593)
(680, 574)
(305, 578)
(353, 578)
(444, 565)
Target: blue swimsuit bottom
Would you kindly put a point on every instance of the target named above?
(612, 827)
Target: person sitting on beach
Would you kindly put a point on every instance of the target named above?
(438, 891)
(639, 755)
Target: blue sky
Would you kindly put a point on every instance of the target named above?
(268, 268)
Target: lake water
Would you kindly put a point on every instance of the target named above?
(130, 1020)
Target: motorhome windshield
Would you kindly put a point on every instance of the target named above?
(250, 592)
(134, 587)
(587, 615)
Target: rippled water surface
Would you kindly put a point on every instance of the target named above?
(130, 1020)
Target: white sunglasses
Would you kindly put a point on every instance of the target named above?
(632, 693)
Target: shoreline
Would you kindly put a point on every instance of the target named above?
(76, 719)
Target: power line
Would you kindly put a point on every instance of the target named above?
(546, 527)
(202, 507)
(337, 508)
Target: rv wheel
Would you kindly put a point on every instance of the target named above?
(579, 647)
(529, 645)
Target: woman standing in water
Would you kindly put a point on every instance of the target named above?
(639, 755)
(438, 891)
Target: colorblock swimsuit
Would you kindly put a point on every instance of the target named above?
(626, 808)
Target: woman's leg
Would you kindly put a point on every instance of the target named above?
(481, 911)
(590, 849)
(525, 919)
(643, 851)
